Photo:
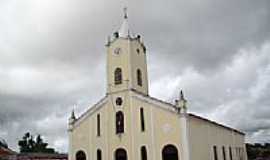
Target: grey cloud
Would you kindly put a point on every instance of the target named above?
(236, 96)
(211, 31)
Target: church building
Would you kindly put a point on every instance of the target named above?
(129, 124)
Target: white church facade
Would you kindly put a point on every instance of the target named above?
(128, 124)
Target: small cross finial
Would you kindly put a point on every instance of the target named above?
(125, 13)
(73, 112)
(73, 115)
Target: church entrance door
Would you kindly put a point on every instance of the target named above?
(80, 155)
(120, 154)
(169, 152)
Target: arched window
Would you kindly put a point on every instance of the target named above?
(121, 154)
(224, 153)
(230, 151)
(80, 155)
(118, 76)
(143, 153)
(139, 77)
(169, 152)
(119, 122)
(142, 119)
(215, 152)
(98, 125)
(99, 154)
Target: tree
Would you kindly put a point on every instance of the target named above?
(29, 144)
(24, 143)
(258, 151)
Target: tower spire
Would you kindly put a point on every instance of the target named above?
(124, 31)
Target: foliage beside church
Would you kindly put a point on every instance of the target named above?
(31, 144)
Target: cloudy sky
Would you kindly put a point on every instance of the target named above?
(52, 56)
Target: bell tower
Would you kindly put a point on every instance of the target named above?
(126, 61)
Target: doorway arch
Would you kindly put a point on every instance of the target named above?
(80, 155)
(121, 154)
(169, 152)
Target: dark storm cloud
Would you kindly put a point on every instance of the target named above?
(206, 34)
(53, 56)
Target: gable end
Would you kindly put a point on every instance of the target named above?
(90, 111)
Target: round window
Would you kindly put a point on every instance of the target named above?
(119, 101)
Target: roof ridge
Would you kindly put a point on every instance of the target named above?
(216, 123)
(191, 114)
(154, 98)
(89, 110)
